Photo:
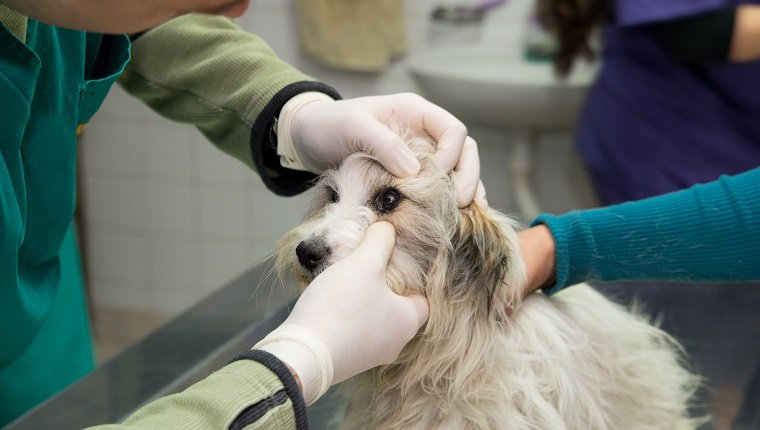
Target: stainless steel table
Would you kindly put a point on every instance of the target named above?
(185, 350)
(718, 325)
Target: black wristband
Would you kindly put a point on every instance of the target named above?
(701, 38)
(281, 180)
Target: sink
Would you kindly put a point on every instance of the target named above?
(495, 86)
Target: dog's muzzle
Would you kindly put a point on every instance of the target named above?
(312, 254)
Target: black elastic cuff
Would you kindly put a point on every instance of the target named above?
(278, 179)
(701, 38)
(292, 390)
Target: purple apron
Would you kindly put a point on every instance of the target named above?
(652, 124)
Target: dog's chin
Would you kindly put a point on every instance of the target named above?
(305, 276)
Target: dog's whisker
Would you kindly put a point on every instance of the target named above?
(265, 279)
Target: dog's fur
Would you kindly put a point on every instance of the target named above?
(485, 358)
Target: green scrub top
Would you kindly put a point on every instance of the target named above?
(49, 84)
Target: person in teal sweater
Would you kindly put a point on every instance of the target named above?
(706, 233)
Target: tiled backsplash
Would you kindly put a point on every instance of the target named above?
(169, 218)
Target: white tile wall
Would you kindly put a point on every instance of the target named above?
(170, 218)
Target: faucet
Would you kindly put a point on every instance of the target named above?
(464, 14)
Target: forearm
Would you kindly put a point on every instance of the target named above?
(704, 234)
(254, 392)
(745, 45)
(207, 71)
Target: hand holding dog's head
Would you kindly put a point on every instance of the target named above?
(463, 260)
(356, 292)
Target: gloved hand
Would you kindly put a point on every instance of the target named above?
(348, 320)
(315, 132)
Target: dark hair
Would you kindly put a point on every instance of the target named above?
(571, 22)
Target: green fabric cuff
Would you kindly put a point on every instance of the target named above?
(217, 401)
(291, 390)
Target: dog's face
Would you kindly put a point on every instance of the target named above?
(453, 257)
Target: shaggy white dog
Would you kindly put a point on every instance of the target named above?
(485, 358)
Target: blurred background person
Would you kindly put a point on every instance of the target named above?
(675, 104)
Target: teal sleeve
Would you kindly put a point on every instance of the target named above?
(707, 233)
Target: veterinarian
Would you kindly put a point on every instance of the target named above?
(675, 102)
(56, 66)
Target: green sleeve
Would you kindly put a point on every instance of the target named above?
(707, 233)
(255, 392)
(206, 71)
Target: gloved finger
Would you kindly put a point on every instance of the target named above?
(418, 308)
(449, 133)
(389, 149)
(466, 174)
(480, 196)
(377, 245)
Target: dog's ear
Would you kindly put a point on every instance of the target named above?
(484, 266)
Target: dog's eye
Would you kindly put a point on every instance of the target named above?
(387, 200)
(334, 197)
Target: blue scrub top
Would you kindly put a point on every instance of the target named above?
(653, 124)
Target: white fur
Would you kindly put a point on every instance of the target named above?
(486, 359)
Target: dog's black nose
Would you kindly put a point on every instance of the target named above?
(311, 253)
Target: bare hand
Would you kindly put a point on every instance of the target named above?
(118, 16)
(537, 249)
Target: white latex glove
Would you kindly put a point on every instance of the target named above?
(315, 132)
(348, 320)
